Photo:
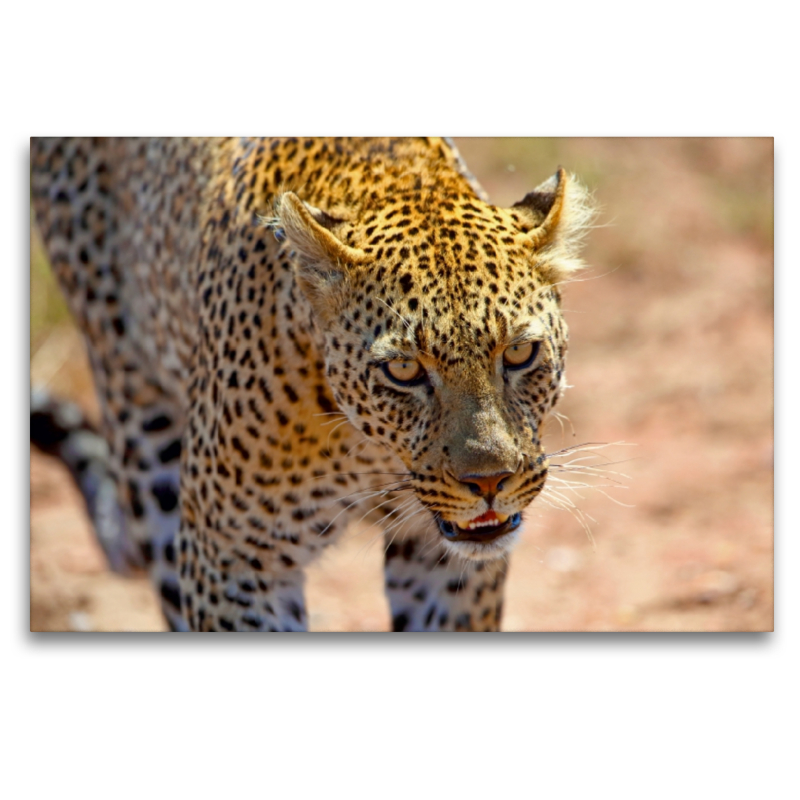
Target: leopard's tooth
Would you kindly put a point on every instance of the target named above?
(471, 526)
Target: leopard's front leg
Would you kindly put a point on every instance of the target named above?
(246, 535)
(253, 517)
(430, 589)
(225, 587)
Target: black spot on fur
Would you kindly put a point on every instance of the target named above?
(408, 550)
(137, 509)
(172, 452)
(171, 595)
(400, 622)
(46, 434)
(165, 495)
(456, 585)
(146, 549)
(294, 609)
(159, 423)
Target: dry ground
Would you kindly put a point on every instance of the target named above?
(671, 351)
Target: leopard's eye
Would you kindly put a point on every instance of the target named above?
(519, 356)
(404, 370)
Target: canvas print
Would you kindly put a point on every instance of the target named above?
(401, 384)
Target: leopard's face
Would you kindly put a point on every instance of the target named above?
(444, 340)
(460, 397)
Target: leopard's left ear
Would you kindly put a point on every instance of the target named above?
(321, 259)
(556, 216)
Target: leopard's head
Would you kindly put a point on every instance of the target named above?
(444, 338)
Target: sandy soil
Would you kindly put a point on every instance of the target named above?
(671, 352)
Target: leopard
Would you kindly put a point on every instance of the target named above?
(291, 336)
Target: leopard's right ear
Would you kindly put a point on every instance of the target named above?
(322, 260)
(555, 217)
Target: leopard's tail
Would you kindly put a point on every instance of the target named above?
(59, 428)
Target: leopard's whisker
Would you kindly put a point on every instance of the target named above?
(333, 430)
(409, 512)
(348, 473)
(340, 418)
(365, 440)
(564, 503)
(381, 487)
(372, 509)
(349, 506)
(382, 532)
(588, 446)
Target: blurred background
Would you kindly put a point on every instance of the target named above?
(671, 352)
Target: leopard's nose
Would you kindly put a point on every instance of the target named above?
(484, 485)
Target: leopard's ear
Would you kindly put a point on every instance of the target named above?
(321, 259)
(309, 231)
(542, 208)
(555, 217)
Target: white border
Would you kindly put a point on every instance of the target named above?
(560, 716)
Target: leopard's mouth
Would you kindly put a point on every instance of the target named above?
(485, 528)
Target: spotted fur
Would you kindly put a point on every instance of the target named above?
(241, 300)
